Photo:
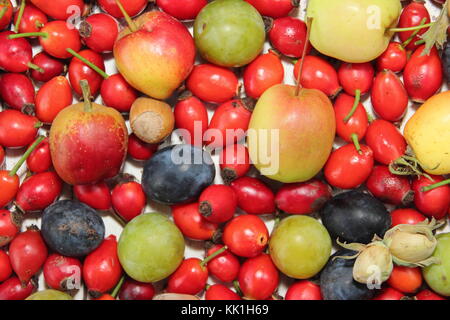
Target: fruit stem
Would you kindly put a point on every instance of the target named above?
(436, 185)
(355, 140)
(419, 42)
(28, 34)
(24, 157)
(38, 125)
(404, 44)
(213, 255)
(411, 28)
(237, 288)
(3, 11)
(88, 63)
(38, 24)
(117, 287)
(35, 67)
(305, 48)
(19, 16)
(84, 84)
(129, 21)
(355, 105)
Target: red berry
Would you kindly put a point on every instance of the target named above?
(406, 216)
(234, 161)
(128, 200)
(253, 196)
(62, 273)
(99, 31)
(5, 266)
(225, 266)
(189, 278)
(97, 195)
(303, 290)
(218, 203)
(191, 223)
(135, 290)
(220, 292)
(288, 35)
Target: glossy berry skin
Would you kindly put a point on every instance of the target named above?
(258, 277)
(356, 124)
(17, 90)
(61, 9)
(388, 187)
(434, 203)
(187, 11)
(394, 58)
(6, 19)
(9, 185)
(52, 97)
(101, 268)
(2, 157)
(189, 278)
(62, 273)
(33, 19)
(15, 54)
(40, 159)
(262, 73)
(220, 292)
(254, 197)
(288, 36)
(389, 294)
(356, 76)
(117, 93)
(385, 140)
(428, 295)
(212, 83)
(9, 226)
(191, 223)
(128, 200)
(132, 7)
(218, 203)
(302, 198)
(97, 196)
(234, 161)
(412, 15)
(12, 289)
(423, 75)
(246, 236)
(191, 115)
(406, 280)
(5, 266)
(59, 38)
(140, 150)
(135, 290)
(27, 253)
(78, 71)
(39, 191)
(318, 74)
(17, 130)
(231, 116)
(225, 266)
(303, 290)
(346, 168)
(99, 32)
(274, 8)
(406, 216)
(52, 67)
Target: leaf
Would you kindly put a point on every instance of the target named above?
(437, 34)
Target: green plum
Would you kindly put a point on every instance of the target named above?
(300, 246)
(150, 247)
(229, 33)
(437, 276)
(49, 294)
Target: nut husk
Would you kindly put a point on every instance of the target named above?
(373, 265)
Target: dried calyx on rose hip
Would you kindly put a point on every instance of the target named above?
(373, 261)
(413, 245)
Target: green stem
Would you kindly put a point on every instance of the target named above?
(38, 24)
(213, 255)
(436, 185)
(419, 42)
(355, 140)
(84, 84)
(88, 63)
(237, 288)
(411, 37)
(38, 125)
(28, 34)
(355, 105)
(35, 67)
(129, 21)
(117, 287)
(411, 28)
(19, 16)
(3, 11)
(24, 157)
(370, 118)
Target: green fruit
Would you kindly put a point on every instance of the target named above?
(150, 247)
(229, 33)
(437, 276)
(49, 294)
(352, 31)
(300, 246)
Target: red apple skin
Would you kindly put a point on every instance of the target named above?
(157, 57)
(87, 147)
